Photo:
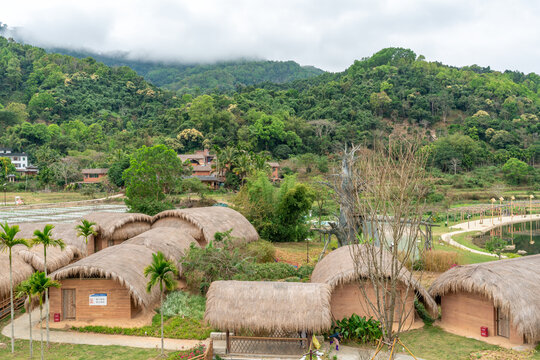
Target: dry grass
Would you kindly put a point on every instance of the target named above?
(32, 198)
(439, 260)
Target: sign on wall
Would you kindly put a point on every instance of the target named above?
(98, 299)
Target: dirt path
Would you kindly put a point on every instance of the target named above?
(71, 337)
(483, 226)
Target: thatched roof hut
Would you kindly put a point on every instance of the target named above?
(171, 242)
(206, 221)
(338, 267)
(268, 306)
(56, 258)
(21, 272)
(119, 226)
(124, 263)
(512, 284)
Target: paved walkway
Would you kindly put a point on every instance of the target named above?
(71, 337)
(486, 225)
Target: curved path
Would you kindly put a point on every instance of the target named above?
(72, 337)
(486, 225)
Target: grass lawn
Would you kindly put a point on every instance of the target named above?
(465, 257)
(32, 198)
(432, 343)
(296, 252)
(466, 240)
(71, 351)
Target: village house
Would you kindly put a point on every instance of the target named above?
(497, 301)
(19, 161)
(94, 175)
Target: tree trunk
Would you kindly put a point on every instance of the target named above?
(11, 303)
(161, 313)
(41, 323)
(30, 323)
(46, 293)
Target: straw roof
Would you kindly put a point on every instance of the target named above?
(119, 226)
(56, 258)
(21, 272)
(171, 242)
(512, 284)
(124, 263)
(338, 267)
(210, 220)
(268, 306)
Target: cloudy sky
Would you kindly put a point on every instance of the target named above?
(329, 34)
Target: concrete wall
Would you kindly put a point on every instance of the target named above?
(467, 312)
(118, 299)
(348, 299)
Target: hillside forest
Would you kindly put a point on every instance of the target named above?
(479, 126)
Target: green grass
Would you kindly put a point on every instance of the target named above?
(465, 257)
(432, 343)
(466, 240)
(73, 352)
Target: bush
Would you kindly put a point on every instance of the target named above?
(179, 303)
(423, 313)
(148, 206)
(358, 329)
(438, 260)
(188, 354)
(261, 251)
(267, 271)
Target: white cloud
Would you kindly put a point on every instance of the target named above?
(327, 34)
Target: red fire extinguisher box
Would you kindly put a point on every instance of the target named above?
(56, 317)
(484, 331)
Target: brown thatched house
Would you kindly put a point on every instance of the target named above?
(339, 271)
(503, 297)
(202, 223)
(171, 242)
(115, 228)
(269, 311)
(109, 284)
(21, 271)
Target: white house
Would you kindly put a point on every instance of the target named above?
(19, 160)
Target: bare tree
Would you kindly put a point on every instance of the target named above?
(455, 163)
(384, 205)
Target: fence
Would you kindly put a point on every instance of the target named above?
(5, 308)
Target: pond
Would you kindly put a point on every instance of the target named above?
(525, 236)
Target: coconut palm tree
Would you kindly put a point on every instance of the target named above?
(243, 166)
(86, 229)
(25, 289)
(40, 284)
(45, 238)
(7, 242)
(161, 272)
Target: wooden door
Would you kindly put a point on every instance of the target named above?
(503, 323)
(68, 304)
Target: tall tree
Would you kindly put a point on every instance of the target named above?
(7, 241)
(40, 284)
(46, 239)
(25, 289)
(161, 273)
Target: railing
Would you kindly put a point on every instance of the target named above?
(267, 345)
(5, 308)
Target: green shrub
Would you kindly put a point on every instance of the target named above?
(261, 251)
(188, 354)
(267, 271)
(180, 303)
(305, 271)
(358, 329)
(423, 313)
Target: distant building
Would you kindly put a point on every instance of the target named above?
(274, 175)
(201, 157)
(94, 175)
(19, 161)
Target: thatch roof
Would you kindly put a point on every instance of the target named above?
(171, 242)
(512, 284)
(21, 272)
(262, 306)
(119, 226)
(56, 258)
(124, 263)
(338, 268)
(210, 220)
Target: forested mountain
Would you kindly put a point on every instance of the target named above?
(55, 105)
(205, 78)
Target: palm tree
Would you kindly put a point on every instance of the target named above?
(161, 272)
(45, 238)
(25, 289)
(243, 166)
(86, 229)
(40, 284)
(225, 158)
(7, 242)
